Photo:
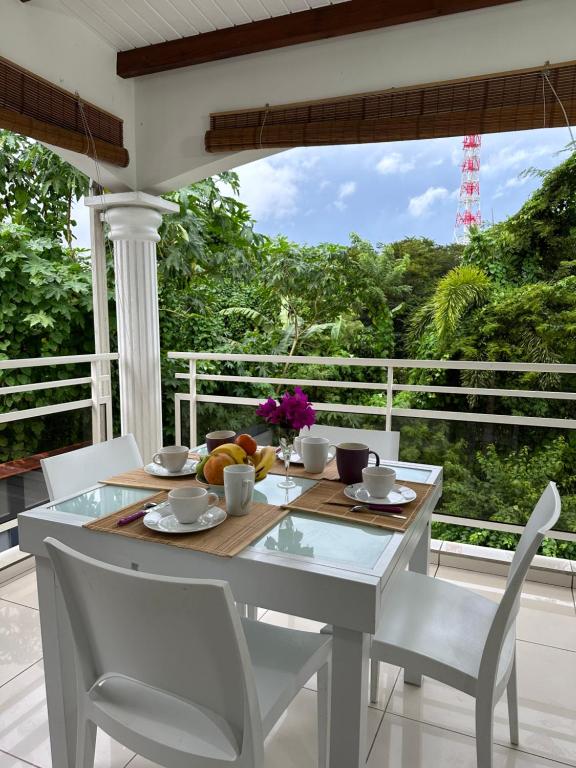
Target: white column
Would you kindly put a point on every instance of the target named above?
(134, 219)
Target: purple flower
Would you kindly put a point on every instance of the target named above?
(292, 410)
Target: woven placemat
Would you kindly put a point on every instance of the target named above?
(327, 498)
(138, 478)
(330, 471)
(226, 540)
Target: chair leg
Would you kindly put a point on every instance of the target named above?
(512, 697)
(484, 731)
(374, 680)
(86, 743)
(324, 679)
(252, 612)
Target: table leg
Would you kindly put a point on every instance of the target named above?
(419, 564)
(349, 700)
(59, 667)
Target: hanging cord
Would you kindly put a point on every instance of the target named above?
(559, 100)
(263, 124)
(90, 137)
(544, 99)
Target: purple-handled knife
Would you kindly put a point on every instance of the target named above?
(135, 515)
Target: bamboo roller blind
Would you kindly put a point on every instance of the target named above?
(31, 96)
(504, 102)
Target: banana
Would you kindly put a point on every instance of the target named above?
(267, 459)
(236, 452)
(255, 458)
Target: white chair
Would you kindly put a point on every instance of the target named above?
(167, 667)
(386, 444)
(459, 637)
(70, 472)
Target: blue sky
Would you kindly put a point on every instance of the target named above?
(385, 192)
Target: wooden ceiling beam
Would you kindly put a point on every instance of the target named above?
(291, 29)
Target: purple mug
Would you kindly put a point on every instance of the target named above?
(351, 458)
(214, 439)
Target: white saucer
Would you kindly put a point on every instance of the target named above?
(295, 458)
(400, 494)
(161, 519)
(159, 471)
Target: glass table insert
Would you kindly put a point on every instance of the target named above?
(322, 539)
(102, 501)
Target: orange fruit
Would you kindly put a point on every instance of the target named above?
(248, 443)
(214, 468)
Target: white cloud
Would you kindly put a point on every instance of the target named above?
(345, 190)
(270, 189)
(394, 162)
(512, 183)
(420, 205)
(510, 157)
(517, 181)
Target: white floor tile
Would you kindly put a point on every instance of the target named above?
(292, 622)
(20, 643)
(388, 673)
(547, 705)
(547, 613)
(7, 761)
(21, 590)
(24, 724)
(403, 743)
(292, 743)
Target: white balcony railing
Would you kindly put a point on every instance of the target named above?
(99, 402)
(388, 386)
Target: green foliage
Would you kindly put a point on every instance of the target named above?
(37, 188)
(509, 295)
(46, 299)
(45, 310)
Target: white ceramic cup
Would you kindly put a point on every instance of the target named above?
(298, 446)
(172, 457)
(378, 481)
(188, 504)
(316, 452)
(238, 488)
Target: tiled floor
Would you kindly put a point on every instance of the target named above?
(428, 727)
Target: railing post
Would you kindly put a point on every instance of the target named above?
(96, 411)
(389, 397)
(101, 371)
(193, 406)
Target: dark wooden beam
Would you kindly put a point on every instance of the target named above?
(281, 31)
(64, 138)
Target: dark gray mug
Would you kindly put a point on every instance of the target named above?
(214, 439)
(351, 458)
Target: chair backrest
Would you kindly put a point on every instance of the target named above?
(386, 444)
(181, 636)
(545, 516)
(70, 472)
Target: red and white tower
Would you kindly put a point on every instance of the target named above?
(468, 214)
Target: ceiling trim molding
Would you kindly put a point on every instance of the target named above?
(291, 29)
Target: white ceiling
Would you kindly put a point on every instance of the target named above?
(127, 24)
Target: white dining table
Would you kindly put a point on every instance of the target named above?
(315, 567)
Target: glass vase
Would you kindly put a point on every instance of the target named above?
(286, 448)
